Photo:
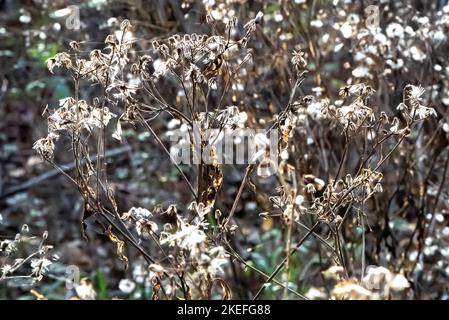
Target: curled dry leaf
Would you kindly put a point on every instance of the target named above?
(227, 295)
(120, 246)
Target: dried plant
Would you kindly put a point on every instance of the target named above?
(360, 161)
(31, 268)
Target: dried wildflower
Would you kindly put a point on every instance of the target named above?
(5, 270)
(189, 237)
(351, 290)
(266, 167)
(354, 115)
(361, 72)
(45, 147)
(424, 112)
(117, 134)
(40, 267)
(417, 54)
(212, 68)
(220, 258)
(123, 91)
(100, 117)
(395, 30)
(377, 278)
(111, 40)
(317, 183)
(59, 60)
(200, 209)
(247, 59)
(125, 24)
(258, 17)
(127, 286)
(250, 26)
(74, 45)
(346, 30)
(334, 272)
(399, 283)
(157, 268)
(310, 188)
(411, 107)
(289, 214)
(316, 294)
(210, 19)
(414, 92)
(85, 290)
(298, 60)
(193, 73)
(212, 83)
(160, 69)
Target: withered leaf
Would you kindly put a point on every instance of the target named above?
(120, 246)
(226, 290)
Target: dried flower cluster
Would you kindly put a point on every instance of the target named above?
(30, 269)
